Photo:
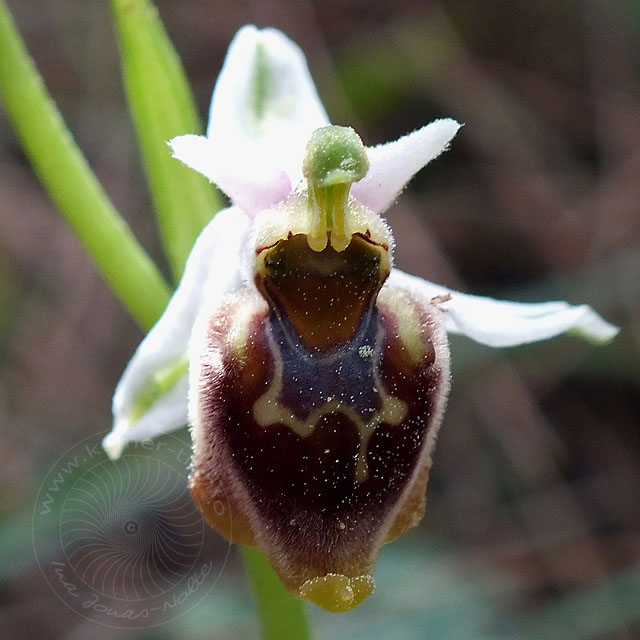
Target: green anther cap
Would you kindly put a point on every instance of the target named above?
(335, 155)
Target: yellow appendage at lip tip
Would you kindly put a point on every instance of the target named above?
(336, 592)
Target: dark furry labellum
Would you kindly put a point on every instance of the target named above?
(319, 393)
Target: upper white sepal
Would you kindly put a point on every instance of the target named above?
(263, 110)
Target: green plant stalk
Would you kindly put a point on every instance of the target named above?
(65, 173)
(162, 107)
(282, 617)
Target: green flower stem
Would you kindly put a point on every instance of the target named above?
(281, 615)
(72, 185)
(162, 107)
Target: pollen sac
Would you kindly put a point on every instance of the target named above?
(318, 395)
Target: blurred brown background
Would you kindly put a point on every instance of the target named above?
(533, 525)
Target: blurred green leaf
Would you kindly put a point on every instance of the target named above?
(74, 188)
(162, 107)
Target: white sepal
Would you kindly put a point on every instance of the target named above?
(263, 111)
(499, 323)
(167, 414)
(212, 270)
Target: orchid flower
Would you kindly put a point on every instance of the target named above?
(313, 373)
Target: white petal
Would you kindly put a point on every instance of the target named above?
(265, 105)
(252, 186)
(213, 269)
(392, 165)
(499, 323)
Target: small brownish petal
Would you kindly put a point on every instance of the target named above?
(323, 457)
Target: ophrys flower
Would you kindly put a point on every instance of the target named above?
(317, 373)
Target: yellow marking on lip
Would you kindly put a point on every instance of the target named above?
(408, 319)
(238, 335)
(268, 410)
